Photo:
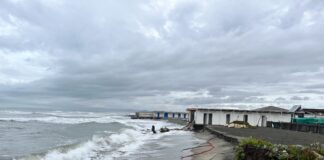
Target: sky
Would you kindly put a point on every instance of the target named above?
(161, 54)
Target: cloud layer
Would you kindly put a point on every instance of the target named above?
(160, 54)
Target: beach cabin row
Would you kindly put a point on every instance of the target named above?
(257, 117)
(161, 115)
(170, 115)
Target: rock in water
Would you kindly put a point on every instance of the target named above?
(164, 129)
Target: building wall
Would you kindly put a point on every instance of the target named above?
(254, 118)
(199, 117)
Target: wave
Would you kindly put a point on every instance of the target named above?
(60, 120)
(57, 117)
(15, 112)
(115, 140)
(108, 147)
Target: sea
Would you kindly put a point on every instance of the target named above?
(63, 135)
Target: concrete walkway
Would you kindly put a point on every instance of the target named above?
(277, 136)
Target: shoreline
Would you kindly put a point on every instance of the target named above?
(212, 148)
(219, 148)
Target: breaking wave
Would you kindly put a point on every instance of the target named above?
(103, 148)
(61, 120)
(122, 139)
(57, 117)
(109, 147)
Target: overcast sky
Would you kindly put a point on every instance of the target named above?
(161, 54)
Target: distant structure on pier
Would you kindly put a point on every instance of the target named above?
(160, 115)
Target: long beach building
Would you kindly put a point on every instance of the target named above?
(256, 117)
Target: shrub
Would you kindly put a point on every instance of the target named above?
(256, 149)
(301, 153)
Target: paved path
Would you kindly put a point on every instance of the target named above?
(277, 136)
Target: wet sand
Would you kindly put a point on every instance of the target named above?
(216, 149)
(213, 148)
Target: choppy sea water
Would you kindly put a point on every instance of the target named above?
(58, 135)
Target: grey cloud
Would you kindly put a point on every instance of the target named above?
(280, 99)
(316, 86)
(312, 91)
(297, 98)
(113, 54)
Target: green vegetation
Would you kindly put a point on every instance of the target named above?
(257, 149)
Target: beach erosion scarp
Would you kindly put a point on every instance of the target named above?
(218, 149)
(212, 147)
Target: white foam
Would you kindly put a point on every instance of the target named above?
(113, 146)
(15, 112)
(58, 117)
(105, 147)
(61, 120)
(80, 153)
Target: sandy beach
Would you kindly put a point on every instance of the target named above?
(212, 149)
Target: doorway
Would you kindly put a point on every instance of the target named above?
(245, 118)
(192, 116)
(228, 118)
(263, 121)
(205, 118)
(210, 119)
(166, 115)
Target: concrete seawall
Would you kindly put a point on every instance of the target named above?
(229, 138)
(275, 136)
